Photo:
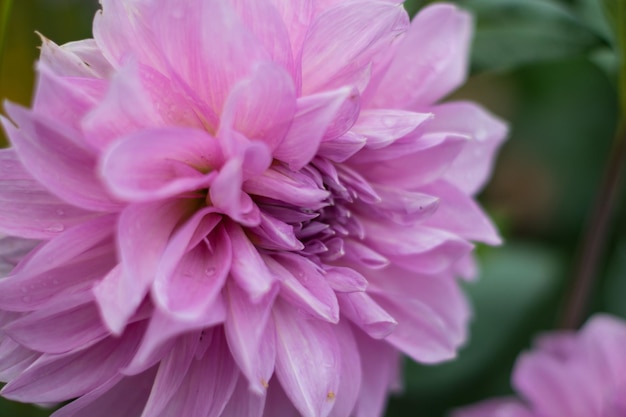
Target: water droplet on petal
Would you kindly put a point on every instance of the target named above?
(60, 212)
(55, 228)
(27, 298)
(209, 271)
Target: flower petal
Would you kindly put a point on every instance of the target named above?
(45, 147)
(27, 209)
(172, 162)
(443, 33)
(300, 343)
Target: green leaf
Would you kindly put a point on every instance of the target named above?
(511, 33)
(615, 11)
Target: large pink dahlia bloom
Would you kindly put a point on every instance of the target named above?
(568, 374)
(241, 208)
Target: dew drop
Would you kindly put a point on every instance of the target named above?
(24, 289)
(27, 298)
(55, 282)
(55, 228)
(60, 212)
(209, 271)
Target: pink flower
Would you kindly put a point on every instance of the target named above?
(245, 208)
(568, 374)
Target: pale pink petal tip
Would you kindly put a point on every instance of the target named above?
(243, 208)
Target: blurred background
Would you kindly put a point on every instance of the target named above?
(549, 69)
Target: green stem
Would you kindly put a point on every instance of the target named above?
(4, 23)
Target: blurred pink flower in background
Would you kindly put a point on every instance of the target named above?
(244, 208)
(568, 374)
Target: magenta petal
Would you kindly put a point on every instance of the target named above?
(395, 166)
(246, 329)
(192, 29)
(128, 394)
(14, 358)
(383, 127)
(304, 285)
(68, 263)
(343, 279)
(473, 166)
(343, 40)
(313, 117)
(171, 373)
(213, 376)
(458, 213)
(248, 268)
(127, 107)
(55, 378)
(301, 342)
(46, 147)
(188, 290)
(262, 106)
(351, 374)
(79, 96)
(172, 162)
(275, 234)
(244, 403)
(69, 325)
(379, 363)
(143, 232)
(367, 314)
(443, 33)
(342, 148)
(29, 210)
(162, 332)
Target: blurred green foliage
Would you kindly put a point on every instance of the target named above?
(549, 68)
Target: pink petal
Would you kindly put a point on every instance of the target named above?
(458, 213)
(313, 117)
(304, 286)
(14, 358)
(69, 325)
(187, 289)
(67, 264)
(55, 378)
(249, 339)
(379, 363)
(342, 148)
(163, 331)
(263, 19)
(471, 169)
(172, 162)
(143, 231)
(45, 147)
(126, 108)
(121, 29)
(343, 279)
(383, 127)
(12, 251)
(367, 314)
(208, 384)
(301, 342)
(404, 207)
(244, 403)
(275, 234)
(297, 16)
(171, 373)
(427, 158)
(27, 209)
(350, 373)
(343, 40)
(417, 248)
(79, 96)
(287, 186)
(262, 106)
(443, 33)
(211, 68)
(74, 59)
(248, 267)
(128, 394)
